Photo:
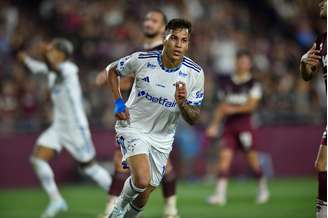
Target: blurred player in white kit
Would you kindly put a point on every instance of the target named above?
(69, 128)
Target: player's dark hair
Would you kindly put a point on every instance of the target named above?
(178, 23)
(64, 46)
(244, 52)
(160, 12)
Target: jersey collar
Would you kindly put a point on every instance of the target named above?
(168, 70)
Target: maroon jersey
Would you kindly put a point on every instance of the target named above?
(236, 92)
(321, 44)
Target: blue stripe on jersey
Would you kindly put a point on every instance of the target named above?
(189, 61)
(87, 142)
(190, 66)
(151, 52)
(145, 57)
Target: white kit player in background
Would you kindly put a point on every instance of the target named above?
(167, 84)
(69, 129)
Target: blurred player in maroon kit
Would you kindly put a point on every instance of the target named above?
(153, 29)
(311, 63)
(240, 96)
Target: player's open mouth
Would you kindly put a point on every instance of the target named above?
(178, 53)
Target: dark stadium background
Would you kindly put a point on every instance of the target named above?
(291, 117)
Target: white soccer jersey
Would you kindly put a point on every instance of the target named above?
(65, 93)
(152, 106)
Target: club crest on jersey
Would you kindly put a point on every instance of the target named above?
(182, 74)
(146, 79)
(151, 66)
(157, 100)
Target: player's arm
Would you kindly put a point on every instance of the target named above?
(124, 82)
(218, 116)
(310, 63)
(249, 106)
(32, 65)
(113, 81)
(189, 111)
(111, 77)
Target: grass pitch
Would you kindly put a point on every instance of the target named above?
(289, 198)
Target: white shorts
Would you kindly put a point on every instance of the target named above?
(133, 143)
(77, 141)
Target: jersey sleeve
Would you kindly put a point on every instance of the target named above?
(35, 66)
(128, 64)
(68, 70)
(196, 95)
(256, 91)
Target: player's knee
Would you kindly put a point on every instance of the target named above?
(141, 182)
(86, 164)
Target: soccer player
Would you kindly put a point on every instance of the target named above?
(167, 84)
(153, 29)
(240, 96)
(69, 128)
(312, 62)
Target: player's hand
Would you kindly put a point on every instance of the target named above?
(212, 131)
(121, 111)
(180, 92)
(312, 57)
(123, 115)
(226, 109)
(101, 79)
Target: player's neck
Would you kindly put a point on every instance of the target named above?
(153, 42)
(241, 76)
(169, 62)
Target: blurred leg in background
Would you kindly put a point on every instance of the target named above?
(220, 195)
(254, 163)
(40, 157)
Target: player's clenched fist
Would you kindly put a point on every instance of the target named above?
(311, 57)
(121, 111)
(180, 92)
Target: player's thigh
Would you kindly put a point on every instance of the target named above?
(118, 161)
(169, 167)
(321, 160)
(47, 145)
(225, 157)
(158, 162)
(140, 169)
(135, 151)
(78, 143)
(253, 159)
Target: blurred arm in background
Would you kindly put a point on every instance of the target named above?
(310, 63)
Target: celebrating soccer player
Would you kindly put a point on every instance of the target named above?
(311, 63)
(153, 29)
(167, 84)
(69, 128)
(240, 96)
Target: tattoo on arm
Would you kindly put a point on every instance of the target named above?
(190, 113)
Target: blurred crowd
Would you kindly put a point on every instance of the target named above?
(277, 32)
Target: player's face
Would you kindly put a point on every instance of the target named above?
(323, 8)
(176, 43)
(54, 54)
(244, 64)
(153, 24)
